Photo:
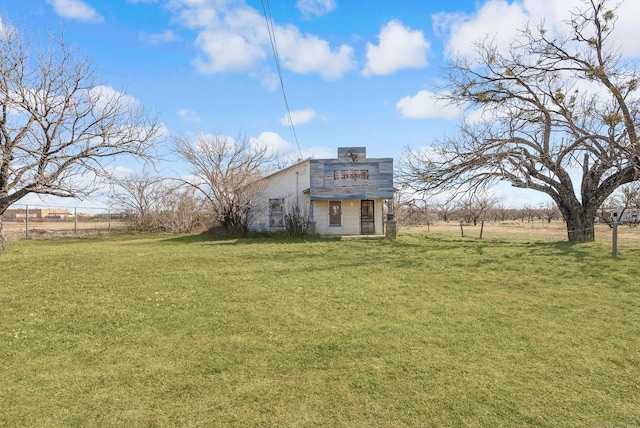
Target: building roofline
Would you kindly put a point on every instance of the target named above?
(285, 169)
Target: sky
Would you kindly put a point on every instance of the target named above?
(355, 73)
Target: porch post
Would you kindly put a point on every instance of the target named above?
(391, 223)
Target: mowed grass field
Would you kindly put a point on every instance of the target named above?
(431, 329)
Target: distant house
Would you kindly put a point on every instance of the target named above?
(626, 215)
(348, 195)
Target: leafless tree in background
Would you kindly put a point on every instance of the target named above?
(414, 212)
(553, 104)
(227, 172)
(139, 197)
(446, 209)
(155, 204)
(59, 129)
(500, 212)
(549, 211)
(476, 207)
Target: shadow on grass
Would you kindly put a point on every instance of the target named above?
(209, 239)
(579, 250)
(405, 242)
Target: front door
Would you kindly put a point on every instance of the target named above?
(367, 218)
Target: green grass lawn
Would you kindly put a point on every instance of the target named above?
(427, 330)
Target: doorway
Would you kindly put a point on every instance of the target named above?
(367, 218)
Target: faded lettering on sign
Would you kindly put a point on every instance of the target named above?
(351, 174)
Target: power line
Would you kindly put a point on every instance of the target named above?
(272, 38)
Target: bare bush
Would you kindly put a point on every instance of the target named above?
(226, 172)
(295, 221)
(154, 204)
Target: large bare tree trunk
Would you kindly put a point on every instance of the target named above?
(580, 228)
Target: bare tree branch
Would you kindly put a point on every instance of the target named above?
(59, 129)
(227, 171)
(552, 106)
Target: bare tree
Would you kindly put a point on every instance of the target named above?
(59, 129)
(413, 212)
(445, 209)
(227, 172)
(552, 104)
(500, 212)
(184, 211)
(526, 213)
(141, 198)
(155, 204)
(549, 211)
(476, 207)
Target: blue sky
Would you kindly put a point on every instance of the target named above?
(355, 73)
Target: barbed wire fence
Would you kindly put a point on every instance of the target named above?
(29, 221)
(42, 220)
(538, 230)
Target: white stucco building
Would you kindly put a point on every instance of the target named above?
(348, 195)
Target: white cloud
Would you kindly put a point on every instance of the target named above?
(299, 117)
(76, 9)
(159, 38)
(286, 152)
(399, 48)
(233, 37)
(501, 20)
(625, 33)
(226, 51)
(496, 19)
(303, 53)
(316, 7)
(425, 105)
(120, 172)
(188, 115)
(106, 97)
(275, 144)
(319, 153)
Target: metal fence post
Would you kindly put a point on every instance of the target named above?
(614, 251)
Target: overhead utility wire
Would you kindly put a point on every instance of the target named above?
(276, 57)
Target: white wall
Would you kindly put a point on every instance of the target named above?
(350, 217)
(288, 184)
